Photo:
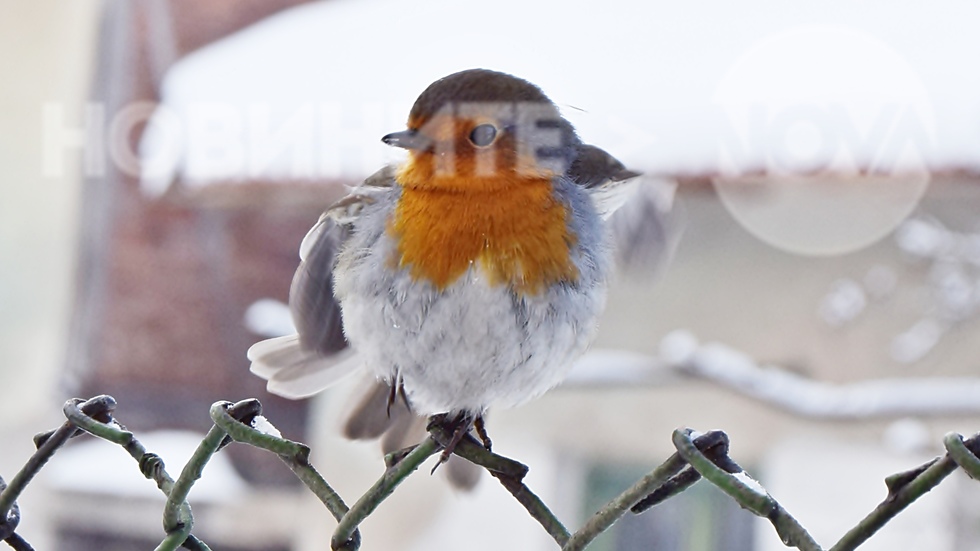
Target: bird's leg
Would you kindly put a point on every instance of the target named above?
(481, 431)
(460, 425)
(395, 390)
(392, 392)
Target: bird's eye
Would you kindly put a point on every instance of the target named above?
(483, 135)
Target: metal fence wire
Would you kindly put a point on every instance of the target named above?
(698, 456)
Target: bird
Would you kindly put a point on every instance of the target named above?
(468, 277)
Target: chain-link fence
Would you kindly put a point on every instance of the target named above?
(698, 456)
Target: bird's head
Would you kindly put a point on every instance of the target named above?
(483, 130)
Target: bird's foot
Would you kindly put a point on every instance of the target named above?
(460, 425)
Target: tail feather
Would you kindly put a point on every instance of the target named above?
(406, 429)
(371, 417)
(399, 427)
(462, 474)
(295, 373)
(272, 355)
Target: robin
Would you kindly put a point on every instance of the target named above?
(469, 277)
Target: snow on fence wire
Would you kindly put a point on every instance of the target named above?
(698, 456)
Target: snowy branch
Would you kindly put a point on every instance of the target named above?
(682, 355)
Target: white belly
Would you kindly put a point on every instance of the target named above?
(472, 345)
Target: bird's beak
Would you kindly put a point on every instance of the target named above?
(408, 139)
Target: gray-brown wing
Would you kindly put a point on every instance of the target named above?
(315, 310)
(594, 167)
(645, 226)
(608, 182)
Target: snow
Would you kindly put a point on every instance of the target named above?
(722, 365)
(913, 345)
(667, 87)
(907, 436)
(99, 467)
(678, 347)
(263, 425)
(844, 302)
(608, 367)
(750, 483)
(922, 237)
(955, 290)
(944, 279)
(734, 369)
(926, 237)
(269, 318)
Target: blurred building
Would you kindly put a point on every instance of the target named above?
(260, 112)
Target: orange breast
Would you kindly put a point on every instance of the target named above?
(514, 230)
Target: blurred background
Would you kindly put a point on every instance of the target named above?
(810, 284)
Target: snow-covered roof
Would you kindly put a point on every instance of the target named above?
(98, 467)
(677, 88)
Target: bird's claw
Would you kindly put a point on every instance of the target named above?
(460, 425)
